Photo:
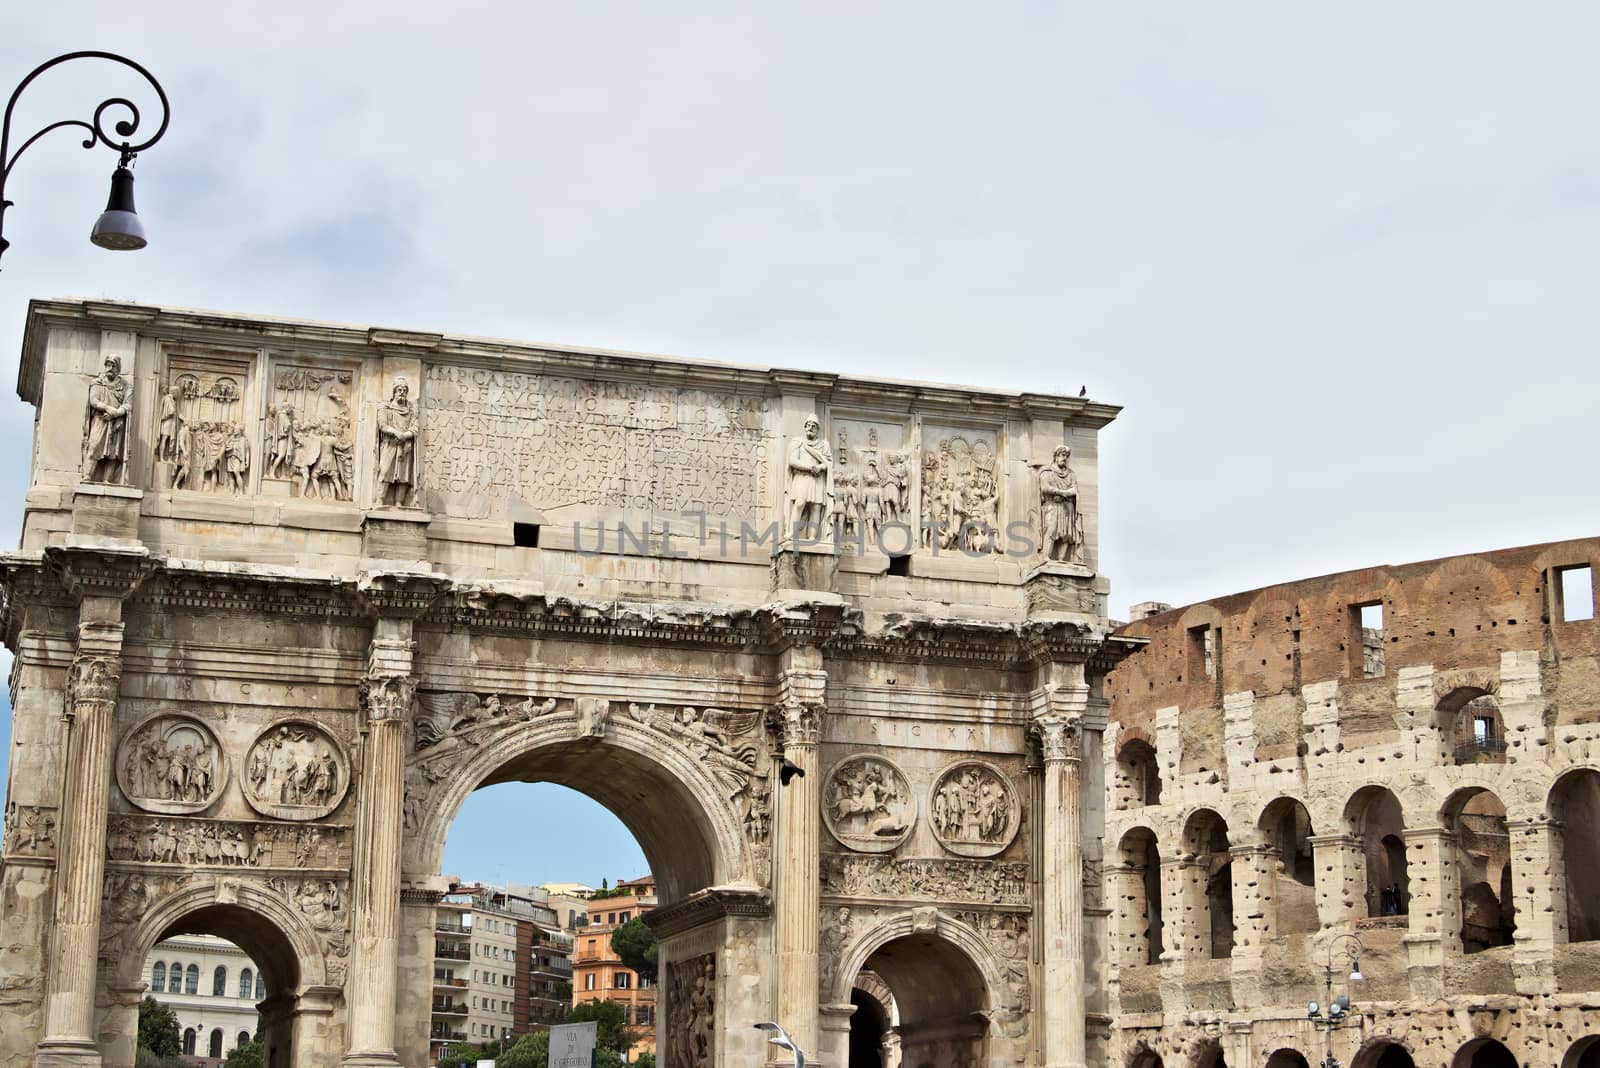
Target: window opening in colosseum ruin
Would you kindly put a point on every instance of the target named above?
(1140, 893)
(1209, 890)
(1203, 651)
(1477, 821)
(1574, 588)
(1575, 806)
(1369, 638)
(1383, 1054)
(1286, 825)
(939, 996)
(1374, 818)
(1470, 719)
(874, 1040)
(1287, 1058)
(1138, 776)
(1483, 1053)
(1584, 1053)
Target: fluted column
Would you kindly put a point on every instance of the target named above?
(1063, 994)
(799, 846)
(386, 695)
(90, 711)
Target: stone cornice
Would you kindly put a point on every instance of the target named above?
(706, 906)
(399, 594)
(93, 571)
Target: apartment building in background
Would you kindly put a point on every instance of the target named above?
(598, 973)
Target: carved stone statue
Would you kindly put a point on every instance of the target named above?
(105, 426)
(1059, 517)
(397, 454)
(810, 463)
(167, 428)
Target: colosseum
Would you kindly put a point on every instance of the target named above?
(1355, 820)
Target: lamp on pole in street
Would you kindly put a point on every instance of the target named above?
(1338, 1009)
(118, 226)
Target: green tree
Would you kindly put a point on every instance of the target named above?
(529, 1051)
(646, 1060)
(158, 1029)
(458, 1054)
(635, 943)
(249, 1055)
(611, 1031)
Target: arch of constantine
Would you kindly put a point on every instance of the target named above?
(288, 592)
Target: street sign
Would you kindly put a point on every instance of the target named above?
(572, 1045)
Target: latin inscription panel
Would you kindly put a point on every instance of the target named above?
(491, 438)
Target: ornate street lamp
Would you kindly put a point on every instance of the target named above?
(1338, 1009)
(118, 227)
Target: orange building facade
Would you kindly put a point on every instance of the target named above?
(598, 973)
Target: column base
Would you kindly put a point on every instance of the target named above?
(371, 1058)
(66, 1053)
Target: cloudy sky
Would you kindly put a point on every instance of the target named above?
(1336, 260)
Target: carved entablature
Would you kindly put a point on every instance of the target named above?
(295, 770)
(974, 809)
(308, 444)
(875, 877)
(172, 764)
(868, 804)
(203, 426)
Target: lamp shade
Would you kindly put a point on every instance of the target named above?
(118, 227)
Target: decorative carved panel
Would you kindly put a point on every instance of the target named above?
(692, 1012)
(309, 443)
(295, 770)
(960, 489)
(868, 805)
(171, 763)
(974, 810)
(201, 433)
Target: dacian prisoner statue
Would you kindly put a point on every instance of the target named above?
(105, 426)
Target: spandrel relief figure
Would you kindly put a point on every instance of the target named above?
(1062, 523)
(397, 432)
(810, 465)
(105, 426)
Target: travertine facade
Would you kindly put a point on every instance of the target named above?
(1407, 755)
(288, 592)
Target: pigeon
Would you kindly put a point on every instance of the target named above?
(1083, 391)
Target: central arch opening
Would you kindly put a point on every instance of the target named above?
(926, 997)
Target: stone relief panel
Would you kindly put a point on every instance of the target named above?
(960, 489)
(974, 809)
(1007, 934)
(30, 830)
(868, 805)
(838, 928)
(309, 443)
(946, 880)
(455, 720)
(295, 770)
(493, 438)
(692, 1010)
(326, 908)
(171, 763)
(201, 443)
(194, 843)
(872, 479)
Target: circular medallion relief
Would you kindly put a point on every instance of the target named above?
(974, 809)
(171, 763)
(867, 805)
(295, 771)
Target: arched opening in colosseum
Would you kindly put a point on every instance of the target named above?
(1208, 1054)
(1145, 1057)
(1287, 1058)
(1374, 817)
(1384, 1054)
(279, 977)
(1138, 775)
(1483, 1053)
(1209, 884)
(1286, 826)
(1584, 1053)
(1575, 806)
(1140, 894)
(938, 994)
(1476, 818)
(1470, 724)
(874, 1034)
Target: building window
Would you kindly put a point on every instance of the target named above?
(158, 977)
(188, 1041)
(214, 1047)
(261, 988)
(175, 979)
(1368, 646)
(1202, 651)
(242, 1039)
(219, 982)
(245, 981)
(622, 980)
(191, 979)
(1574, 593)
(588, 981)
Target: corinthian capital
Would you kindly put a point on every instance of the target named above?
(799, 723)
(93, 679)
(1058, 738)
(387, 697)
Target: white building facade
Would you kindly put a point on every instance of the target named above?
(213, 987)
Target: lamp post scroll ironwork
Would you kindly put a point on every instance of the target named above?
(1338, 1009)
(118, 227)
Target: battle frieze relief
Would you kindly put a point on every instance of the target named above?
(868, 805)
(295, 770)
(975, 811)
(171, 763)
(30, 830)
(206, 843)
(941, 880)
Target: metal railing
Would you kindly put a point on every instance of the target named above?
(1493, 746)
